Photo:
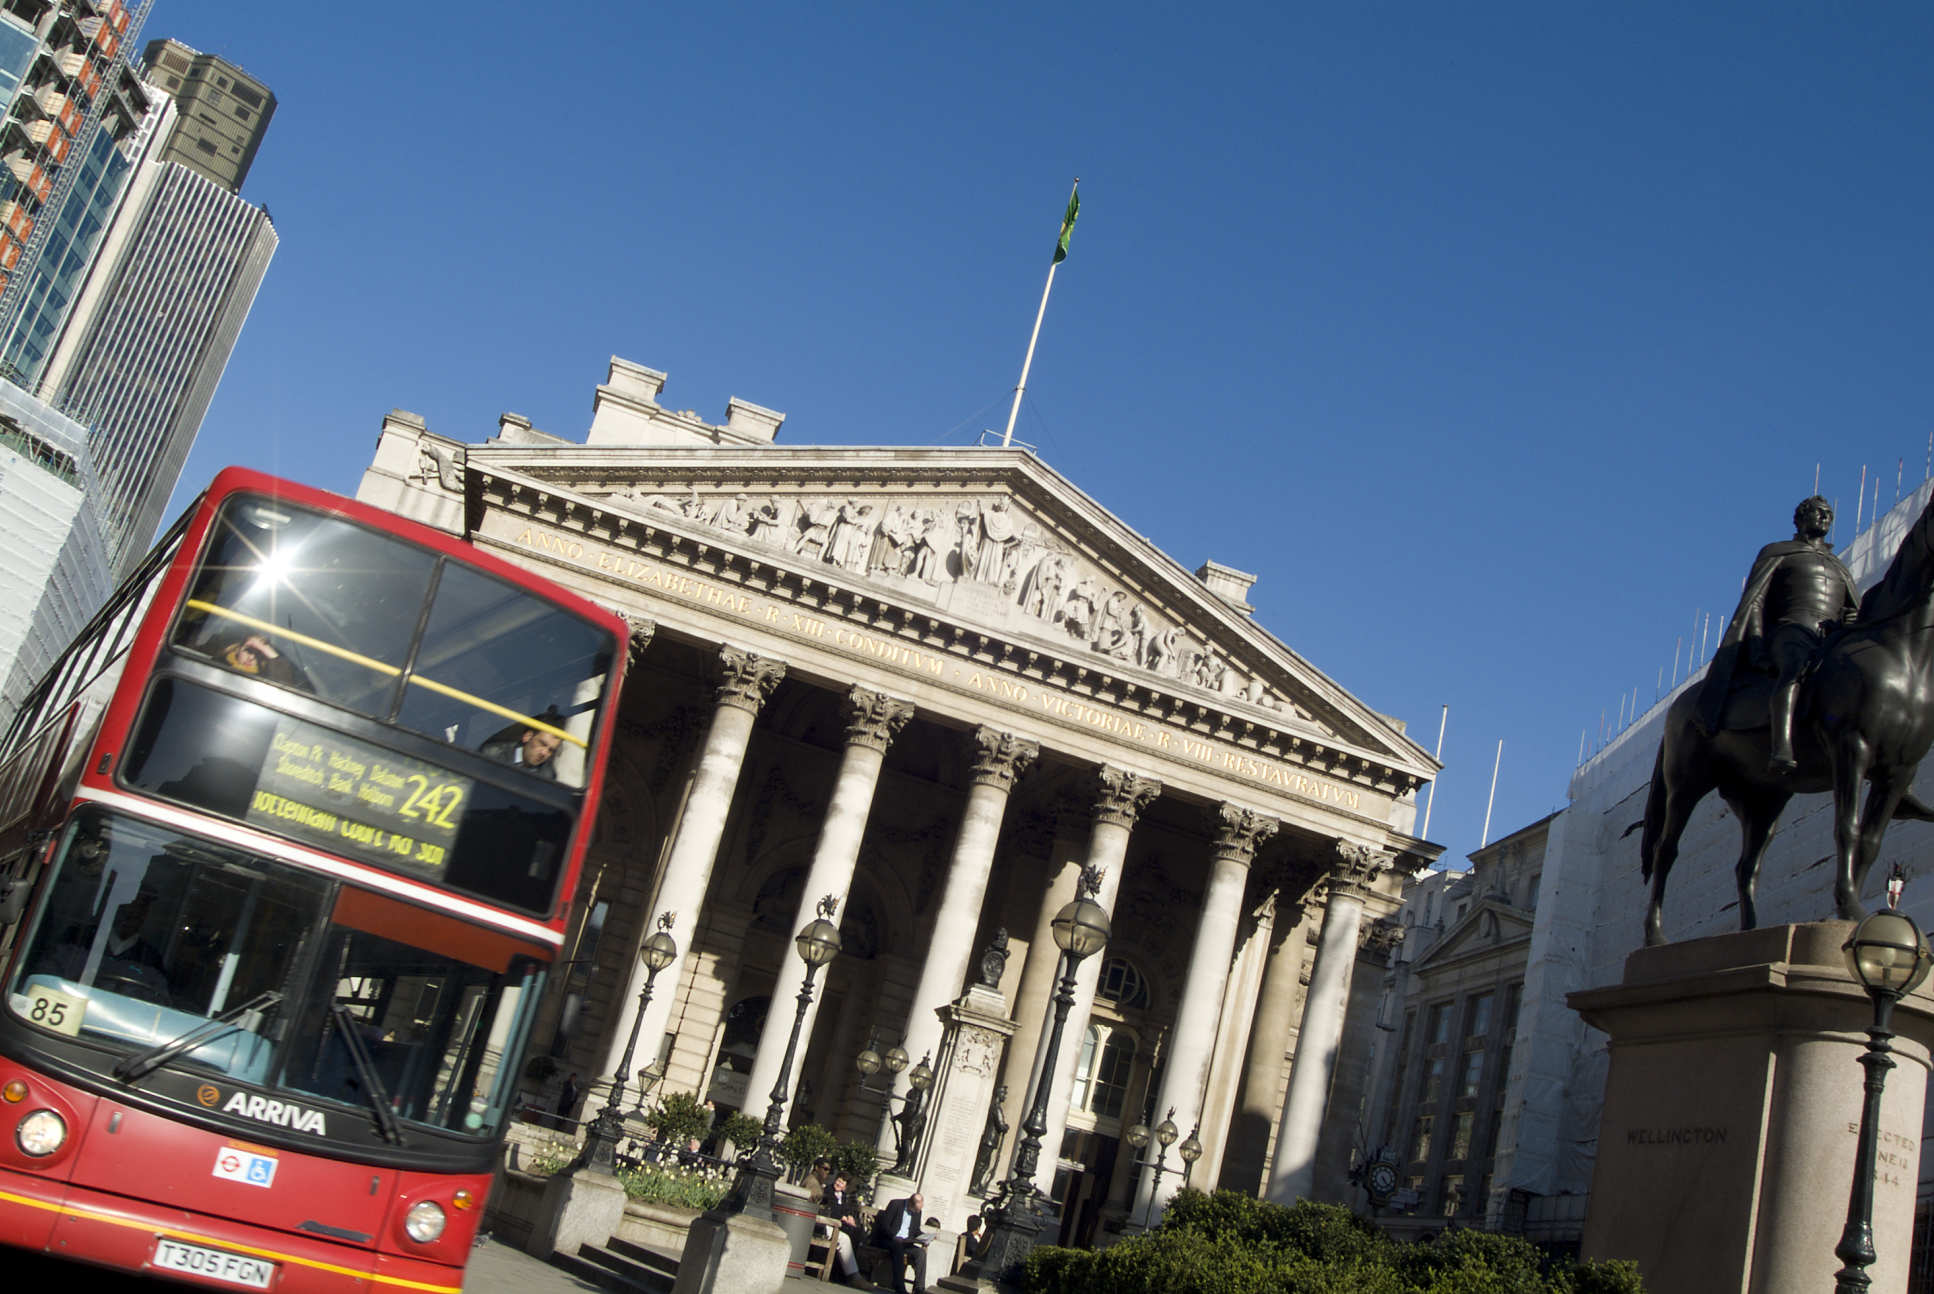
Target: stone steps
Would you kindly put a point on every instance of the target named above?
(620, 1267)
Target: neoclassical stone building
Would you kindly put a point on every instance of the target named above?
(936, 684)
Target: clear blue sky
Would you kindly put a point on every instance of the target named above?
(1495, 338)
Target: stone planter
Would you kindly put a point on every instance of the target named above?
(516, 1204)
(658, 1227)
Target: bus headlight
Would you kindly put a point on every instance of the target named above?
(41, 1133)
(424, 1221)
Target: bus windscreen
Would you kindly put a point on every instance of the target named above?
(323, 606)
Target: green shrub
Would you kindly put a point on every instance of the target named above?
(678, 1118)
(804, 1144)
(860, 1162)
(1230, 1243)
(1325, 1232)
(742, 1130)
(1065, 1271)
(1617, 1276)
(1452, 1261)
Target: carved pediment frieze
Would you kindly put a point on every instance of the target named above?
(983, 554)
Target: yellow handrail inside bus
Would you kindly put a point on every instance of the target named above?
(529, 721)
(367, 662)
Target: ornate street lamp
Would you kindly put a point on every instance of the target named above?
(601, 1141)
(1190, 1150)
(870, 1062)
(1080, 931)
(1889, 956)
(751, 1191)
(1165, 1134)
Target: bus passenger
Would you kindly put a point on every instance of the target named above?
(256, 655)
(527, 748)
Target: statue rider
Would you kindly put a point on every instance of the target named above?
(1798, 590)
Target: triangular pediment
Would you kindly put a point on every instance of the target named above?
(1490, 923)
(991, 538)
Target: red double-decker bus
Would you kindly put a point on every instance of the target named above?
(290, 832)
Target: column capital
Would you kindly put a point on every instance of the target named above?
(1123, 795)
(874, 719)
(1358, 866)
(746, 680)
(1380, 938)
(1241, 831)
(638, 632)
(1000, 757)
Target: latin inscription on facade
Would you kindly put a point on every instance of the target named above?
(914, 660)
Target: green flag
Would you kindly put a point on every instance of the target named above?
(1067, 226)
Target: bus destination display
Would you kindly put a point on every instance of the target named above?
(352, 798)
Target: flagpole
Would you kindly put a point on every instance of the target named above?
(1061, 248)
(1007, 437)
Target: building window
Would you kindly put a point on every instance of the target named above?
(1420, 1138)
(1473, 1075)
(1440, 1023)
(1481, 1006)
(1433, 1080)
(1122, 984)
(1101, 1079)
(1460, 1145)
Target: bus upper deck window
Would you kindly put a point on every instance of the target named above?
(307, 602)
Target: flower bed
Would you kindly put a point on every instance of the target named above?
(700, 1187)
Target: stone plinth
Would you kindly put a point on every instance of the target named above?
(977, 1030)
(733, 1253)
(585, 1207)
(1732, 1110)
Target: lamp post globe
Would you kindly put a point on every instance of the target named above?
(1081, 928)
(818, 943)
(1889, 957)
(1887, 953)
(1190, 1150)
(658, 952)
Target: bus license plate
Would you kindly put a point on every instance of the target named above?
(233, 1269)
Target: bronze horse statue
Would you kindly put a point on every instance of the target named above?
(1865, 715)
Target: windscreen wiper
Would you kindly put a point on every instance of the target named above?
(140, 1063)
(352, 1040)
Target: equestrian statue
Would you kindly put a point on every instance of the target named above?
(1811, 689)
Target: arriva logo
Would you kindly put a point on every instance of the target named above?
(286, 1115)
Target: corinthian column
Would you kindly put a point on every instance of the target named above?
(872, 721)
(744, 684)
(1292, 1175)
(1198, 1012)
(1000, 758)
(1247, 1150)
(1122, 798)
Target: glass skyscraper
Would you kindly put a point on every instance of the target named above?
(124, 283)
